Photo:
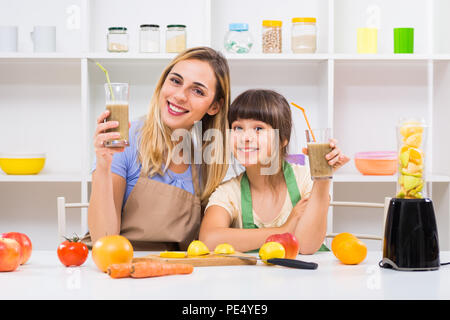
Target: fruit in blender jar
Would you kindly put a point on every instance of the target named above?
(411, 161)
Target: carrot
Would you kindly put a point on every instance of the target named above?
(146, 269)
(119, 270)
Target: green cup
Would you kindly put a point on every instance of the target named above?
(403, 40)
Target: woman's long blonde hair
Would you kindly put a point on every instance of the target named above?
(155, 144)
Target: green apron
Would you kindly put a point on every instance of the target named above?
(246, 198)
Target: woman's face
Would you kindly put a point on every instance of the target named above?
(253, 141)
(188, 94)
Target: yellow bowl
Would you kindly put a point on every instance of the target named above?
(20, 164)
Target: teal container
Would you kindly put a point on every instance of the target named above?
(403, 40)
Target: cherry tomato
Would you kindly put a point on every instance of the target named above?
(72, 252)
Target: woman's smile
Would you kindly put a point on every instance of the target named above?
(175, 110)
(187, 94)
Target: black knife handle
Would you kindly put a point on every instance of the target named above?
(292, 263)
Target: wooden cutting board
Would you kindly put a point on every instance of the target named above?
(204, 261)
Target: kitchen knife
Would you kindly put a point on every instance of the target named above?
(290, 263)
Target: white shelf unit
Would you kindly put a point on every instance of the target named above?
(49, 101)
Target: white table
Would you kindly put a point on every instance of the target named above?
(44, 277)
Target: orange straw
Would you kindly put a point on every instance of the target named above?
(306, 118)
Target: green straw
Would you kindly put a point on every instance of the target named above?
(107, 79)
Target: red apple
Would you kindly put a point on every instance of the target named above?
(9, 254)
(24, 242)
(288, 241)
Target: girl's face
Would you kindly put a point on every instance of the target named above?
(253, 141)
(188, 94)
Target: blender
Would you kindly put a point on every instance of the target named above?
(411, 240)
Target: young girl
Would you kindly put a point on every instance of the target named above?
(140, 192)
(245, 210)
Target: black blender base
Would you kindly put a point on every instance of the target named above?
(389, 264)
(411, 240)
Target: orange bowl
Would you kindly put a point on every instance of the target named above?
(383, 163)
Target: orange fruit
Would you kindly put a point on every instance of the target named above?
(414, 140)
(351, 251)
(416, 156)
(339, 238)
(110, 250)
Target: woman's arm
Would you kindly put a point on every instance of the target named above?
(215, 229)
(105, 204)
(108, 189)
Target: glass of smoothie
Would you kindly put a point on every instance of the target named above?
(117, 96)
(318, 143)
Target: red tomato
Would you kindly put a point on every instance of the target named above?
(72, 252)
(9, 254)
(24, 242)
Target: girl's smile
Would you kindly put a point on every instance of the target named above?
(251, 141)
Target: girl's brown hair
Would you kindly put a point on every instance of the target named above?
(155, 144)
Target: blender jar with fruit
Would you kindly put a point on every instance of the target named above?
(411, 241)
(411, 135)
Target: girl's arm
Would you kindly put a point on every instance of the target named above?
(312, 224)
(215, 229)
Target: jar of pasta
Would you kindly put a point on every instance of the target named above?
(175, 38)
(271, 36)
(117, 39)
(303, 35)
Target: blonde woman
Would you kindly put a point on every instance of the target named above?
(139, 191)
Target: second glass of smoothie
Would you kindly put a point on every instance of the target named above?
(318, 143)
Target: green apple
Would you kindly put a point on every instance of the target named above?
(407, 173)
(410, 182)
(404, 158)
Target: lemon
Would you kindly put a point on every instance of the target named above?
(224, 248)
(197, 248)
(410, 182)
(173, 254)
(271, 250)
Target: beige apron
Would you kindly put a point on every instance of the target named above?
(158, 216)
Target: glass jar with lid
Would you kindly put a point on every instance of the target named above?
(117, 39)
(271, 36)
(175, 38)
(149, 38)
(238, 39)
(304, 35)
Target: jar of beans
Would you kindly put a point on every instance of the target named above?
(271, 36)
